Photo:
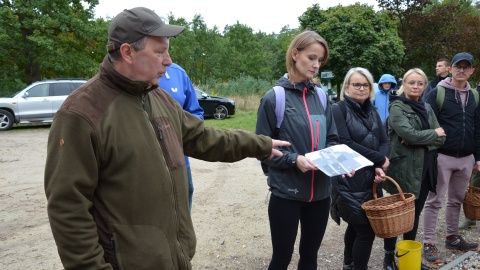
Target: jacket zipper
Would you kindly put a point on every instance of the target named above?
(312, 140)
(160, 138)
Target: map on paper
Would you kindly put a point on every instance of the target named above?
(338, 159)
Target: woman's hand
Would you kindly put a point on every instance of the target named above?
(379, 175)
(440, 132)
(304, 164)
(386, 164)
(350, 174)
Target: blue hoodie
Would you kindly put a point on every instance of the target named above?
(177, 83)
(382, 100)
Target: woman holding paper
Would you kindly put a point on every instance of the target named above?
(414, 135)
(300, 193)
(359, 126)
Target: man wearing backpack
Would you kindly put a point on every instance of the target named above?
(459, 116)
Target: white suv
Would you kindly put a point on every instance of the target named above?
(37, 103)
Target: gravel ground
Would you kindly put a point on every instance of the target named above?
(229, 215)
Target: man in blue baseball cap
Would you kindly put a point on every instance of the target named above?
(460, 118)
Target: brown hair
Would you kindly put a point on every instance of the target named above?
(300, 42)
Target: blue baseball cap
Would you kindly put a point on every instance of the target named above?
(462, 56)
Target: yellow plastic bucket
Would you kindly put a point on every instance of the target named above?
(409, 254)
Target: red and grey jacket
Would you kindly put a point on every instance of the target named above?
(308, 127)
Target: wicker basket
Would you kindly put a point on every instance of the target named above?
(392, 215)
(471, 203)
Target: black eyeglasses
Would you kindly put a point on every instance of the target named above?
(357, 86)
(466, 69)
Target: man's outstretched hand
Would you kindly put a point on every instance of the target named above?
(275, 144)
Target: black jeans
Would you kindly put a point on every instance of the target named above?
(284, 216)
(389, 243)
(358, 241)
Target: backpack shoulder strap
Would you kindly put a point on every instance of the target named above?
(323, 97)
(476, 96)
(279, 104)
(440, 97)
(343, 108)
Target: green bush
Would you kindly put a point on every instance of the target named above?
(8, 87)
(244, 85)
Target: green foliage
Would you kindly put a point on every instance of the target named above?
(244, 120)
(357, 36)
(438, 29)
(42, 39)
(243, 85)
(49, 39)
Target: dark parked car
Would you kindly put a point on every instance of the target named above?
(37, 103)
(216, 107)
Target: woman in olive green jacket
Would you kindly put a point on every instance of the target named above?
(414, 135)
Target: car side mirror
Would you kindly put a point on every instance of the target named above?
(204, 95)
(25, 95)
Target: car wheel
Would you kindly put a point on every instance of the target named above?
(6, 120)
(220, 113)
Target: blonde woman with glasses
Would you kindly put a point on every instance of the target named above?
(359, 126)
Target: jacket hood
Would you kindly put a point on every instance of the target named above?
(387, 78)
(447, 83)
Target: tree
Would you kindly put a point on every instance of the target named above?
(356, 36)
(51, 38)
(429, 38)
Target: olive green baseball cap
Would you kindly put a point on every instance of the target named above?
(133, 24)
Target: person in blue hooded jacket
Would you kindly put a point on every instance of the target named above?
(177, 83)
(386, 85)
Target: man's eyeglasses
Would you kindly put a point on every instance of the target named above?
(357, 86)
(466, 69)
(419, 84)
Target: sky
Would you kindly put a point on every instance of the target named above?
(261, 15)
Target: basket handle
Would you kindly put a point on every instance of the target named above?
(470, 185)
(394, 182)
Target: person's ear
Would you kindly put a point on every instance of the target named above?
(294, 54)
(127, 52)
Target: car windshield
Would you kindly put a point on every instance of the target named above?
(200, 93)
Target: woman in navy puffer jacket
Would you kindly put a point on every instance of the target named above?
(358, 126)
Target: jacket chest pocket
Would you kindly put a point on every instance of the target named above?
(171, 146)
(412, 119)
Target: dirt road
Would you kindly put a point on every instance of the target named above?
(229, 213)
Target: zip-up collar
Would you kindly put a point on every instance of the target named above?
(115, 80)
(299, 86)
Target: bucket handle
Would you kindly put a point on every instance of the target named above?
(398, 255)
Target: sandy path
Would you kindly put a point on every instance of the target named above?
(229, 213)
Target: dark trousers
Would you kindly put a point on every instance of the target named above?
(190, 188)
(389, 243)
(284, 216)
(358, 241)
